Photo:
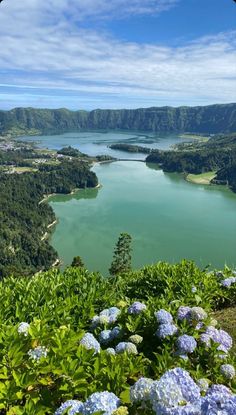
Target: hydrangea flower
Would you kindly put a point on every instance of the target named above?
(140, 391)
(127, 347)
(193, 289)
(107, 316)
(136, 339)
(218, 336)
(203, 384)
(37, 353)
(198, 314)
(105, 402)
(23, 328)
(174, 389)
(227, 282)
(183, 313)
(122, 410)
(186, 344)
(166, 330)
(115, 332)
(90, 343)
(105, 336)
(199, 325)
(218, 400)
(76, 407)
(137, 308)
(111, 351)
(227, 371)
(163, 317)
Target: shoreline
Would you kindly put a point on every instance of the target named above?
(202, 178)
(77, 189)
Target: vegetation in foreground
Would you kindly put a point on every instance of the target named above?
(79, 343)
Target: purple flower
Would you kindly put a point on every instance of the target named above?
(137, 308)
(105, 402)
(218, 400)
(183, 313)
(166, 330)
(186, 344)
(163, 317)
(140, 391)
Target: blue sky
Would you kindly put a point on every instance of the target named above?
(86, 54)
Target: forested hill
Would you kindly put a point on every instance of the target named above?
(208, 119)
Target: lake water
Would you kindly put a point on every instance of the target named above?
(167, 217)
(97, 142)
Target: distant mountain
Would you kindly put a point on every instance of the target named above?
(219, 118)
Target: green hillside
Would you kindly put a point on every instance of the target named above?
(51, 358)
(208, 119)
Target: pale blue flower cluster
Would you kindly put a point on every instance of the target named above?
(191, 314)
(219, 400)
(23, 328)
(107, 316)
(37, 353)
(76, 407)
(166, 330)
(186, 344)
(104, 402)
(163, 317)
(137, 308)
(183, 313)
(127, 347)
(174, 391)
(227, 371)
(194, 289)
(140, 391)
(90, 343)
(218, 336)
(107, 336)
(227, 282)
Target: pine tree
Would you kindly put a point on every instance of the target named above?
(122, 255)
(77, 262)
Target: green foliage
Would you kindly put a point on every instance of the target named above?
(122, 255)
(24, 219)
(59, 308)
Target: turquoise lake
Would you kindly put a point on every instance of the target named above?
(168, 218)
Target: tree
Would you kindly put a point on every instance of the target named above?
(77, 262)
(122, 255)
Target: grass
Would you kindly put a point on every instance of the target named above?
(227, 321)
(203, 178)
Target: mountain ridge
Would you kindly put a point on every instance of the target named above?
(216, 118)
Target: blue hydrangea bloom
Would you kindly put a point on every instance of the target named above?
(23, 328)
(166, 330)
(137, 308)
(218, 400)
(227, 371)
(194, 289)
(90, 343)
(163, 317)
(227, 282)
(76, 407)
(115, 332)
(186, 344)
(173, 389)
(140, 391)
(37, 353)
(218, 336)
(127, 347)
(111, 313)
(105, 336)
(183, 313)
(105, 402)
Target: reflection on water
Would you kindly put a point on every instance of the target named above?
(77, 195)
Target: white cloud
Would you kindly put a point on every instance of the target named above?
(43, 46)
